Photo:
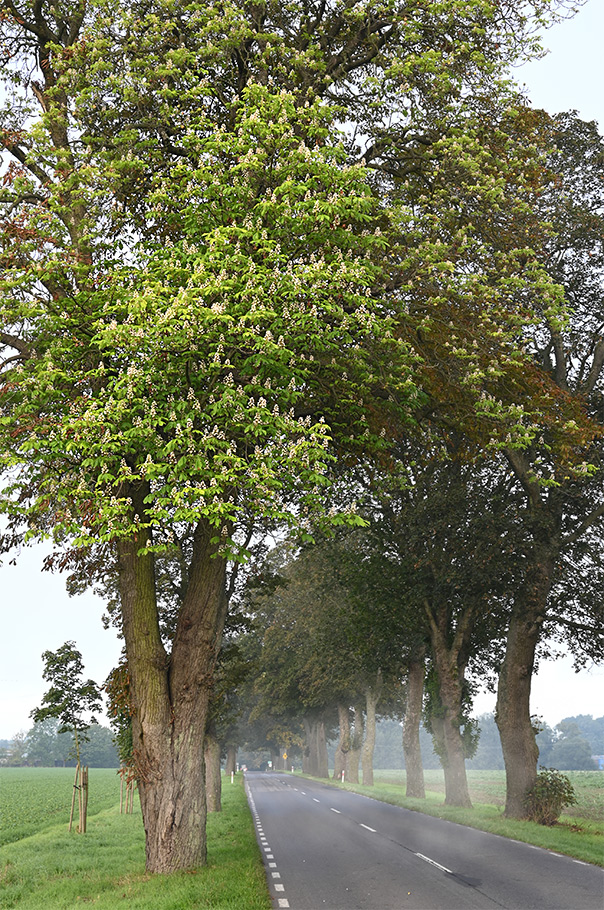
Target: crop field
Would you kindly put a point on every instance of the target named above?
(33, 799)
(42, 865)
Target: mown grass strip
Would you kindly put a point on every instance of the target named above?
(573, 835)
(105, 867)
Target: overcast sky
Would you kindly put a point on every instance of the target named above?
(37, 615)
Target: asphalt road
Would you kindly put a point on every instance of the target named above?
(328, 849)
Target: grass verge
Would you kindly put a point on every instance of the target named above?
(574, 835)
(106, 867)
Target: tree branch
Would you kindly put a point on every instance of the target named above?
(596, 368)
(587, 522)
(12, 341)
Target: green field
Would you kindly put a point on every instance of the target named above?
(42, 865)
(489, 787)
(33, 799)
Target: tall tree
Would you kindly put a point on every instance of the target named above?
(559, 475)
(195, 301)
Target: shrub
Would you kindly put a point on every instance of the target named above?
(548, 796)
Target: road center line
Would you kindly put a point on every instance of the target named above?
(367, 827)
(315, 800)
(434, 863)
(335, 810)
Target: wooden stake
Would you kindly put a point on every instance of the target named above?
(84, 823)
(73, 796)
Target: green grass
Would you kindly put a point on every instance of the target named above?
(105, 868)
(579, 833)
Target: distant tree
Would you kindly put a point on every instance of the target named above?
(571, 751)
(592, 728)
(16, 755)
(545, 737)
(100, 750)
(46, 746)
(488, 755)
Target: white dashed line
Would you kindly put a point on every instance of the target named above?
(282, 901)
(434, 863)
(335, 810)
(367, 827)
(315, 800)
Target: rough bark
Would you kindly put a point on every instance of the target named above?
(513, 713)
(314, 761)
(411, 725)
(356, 745)
(322, 750)
(170, 697)
(449, 742)
(372, 697)
(341, 754)
(310, 761)
(211, 754)
(449, 652)
(231, 760)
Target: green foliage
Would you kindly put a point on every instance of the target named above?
(70, 697)
(549, 795)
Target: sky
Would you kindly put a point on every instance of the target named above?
(36, 614)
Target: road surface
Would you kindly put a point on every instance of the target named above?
(328, 849)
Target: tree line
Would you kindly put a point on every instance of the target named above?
(43, 746)
(305, 272)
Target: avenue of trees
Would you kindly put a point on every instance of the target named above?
(312, 272)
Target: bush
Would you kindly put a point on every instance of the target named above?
(548, 796)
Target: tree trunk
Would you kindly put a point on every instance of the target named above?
(305, 760)
(211, 754)
(170, 698)
(354, 755)
(231, 760)
(341, 756)
(411, 725)
(513, 713)
(448, 650)
(372, 697)
(323, 765)
(311, 763)
(314, 761)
